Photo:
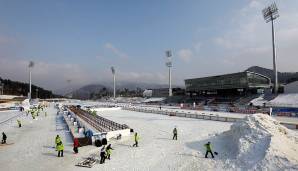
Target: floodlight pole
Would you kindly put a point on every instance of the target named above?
(274, 57)
(114, 79)
(169, 65)
(170, 82)
(29, 95)
(31, 64)
(270, 14)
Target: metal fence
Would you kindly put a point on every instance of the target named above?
(100, 123)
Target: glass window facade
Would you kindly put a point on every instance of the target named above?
(241, 80)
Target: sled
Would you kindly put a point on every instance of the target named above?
(88, 162)
(6, 144)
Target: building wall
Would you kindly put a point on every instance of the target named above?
(164, 92)
(236, 81)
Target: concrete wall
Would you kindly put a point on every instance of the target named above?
(197, 116)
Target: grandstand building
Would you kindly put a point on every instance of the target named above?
(241, 83)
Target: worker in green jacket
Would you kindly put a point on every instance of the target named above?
(59, 146)
(109, 151)
(208, 150)
(136, 138)
(19, 123)
(175, 133)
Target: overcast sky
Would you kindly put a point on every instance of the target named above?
(80, 40)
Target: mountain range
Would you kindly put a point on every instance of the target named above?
(106, 88)
(88, 91)
(21, 89)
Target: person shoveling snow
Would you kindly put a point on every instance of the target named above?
(208, 150)
(4, 137)
(175, 133)
(59, 146)
(136, 139)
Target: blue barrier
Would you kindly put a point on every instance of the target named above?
(285, 111)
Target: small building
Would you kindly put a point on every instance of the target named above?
(240, 83)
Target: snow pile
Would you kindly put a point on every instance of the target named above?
(285, 100)
(259, 101)
(26, 104)
(154, 99)
(259, 142)
(8, 97)
(6, 105)
(127, 99)
(106, 109)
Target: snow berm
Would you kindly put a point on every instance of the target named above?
(259, 142)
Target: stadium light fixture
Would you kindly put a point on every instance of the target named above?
(270, 13)
(114, 78)
(31, 65)
(169, 65)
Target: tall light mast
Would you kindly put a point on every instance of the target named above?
(270, 13)
(169, 65)
(114, 79)
(31, 64)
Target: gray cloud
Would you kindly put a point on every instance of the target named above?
(48, 75)
(116, 51)
(243, 40)
(185, 54)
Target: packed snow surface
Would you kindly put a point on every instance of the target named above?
(259, 101)
(256, 143)
(154, 99)
(259, 142)
(106, 109)
(8, 96)
(33, 143)
(7, 105)
(282, 100)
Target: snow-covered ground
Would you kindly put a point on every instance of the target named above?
(33, 144)
(152, 99)
(8, 105)
(5, 115)
(285, 100)
(259, 101)
(157, 151)
(8, 96)
(106, 109)
(282, 100)
(32, 148)
(259, 143)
